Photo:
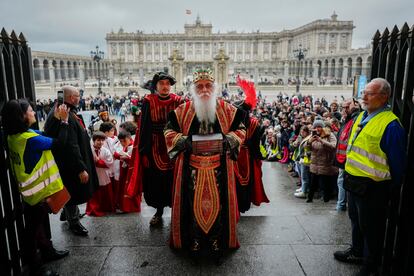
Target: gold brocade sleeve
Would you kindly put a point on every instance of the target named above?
(175, 140)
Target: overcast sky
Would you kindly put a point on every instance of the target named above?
(77, 26)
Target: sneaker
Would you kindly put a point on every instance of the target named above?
(348, 256)
(298, 190)
(300, 195)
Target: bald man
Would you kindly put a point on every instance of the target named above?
(75, 161)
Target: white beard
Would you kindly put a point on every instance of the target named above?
(205, 109)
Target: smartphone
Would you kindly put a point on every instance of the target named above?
(60, 97)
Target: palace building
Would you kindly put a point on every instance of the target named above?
(261, 56)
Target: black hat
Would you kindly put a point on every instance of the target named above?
(241, 104)
(161, 76)
(148, 86)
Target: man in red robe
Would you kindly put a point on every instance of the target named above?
(204, 210)
(152, 171)
(248, 168)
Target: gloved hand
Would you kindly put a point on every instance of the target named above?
(188, 144)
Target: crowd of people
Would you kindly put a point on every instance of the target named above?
(201, 154)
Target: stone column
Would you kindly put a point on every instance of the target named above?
(344, 74)
(41, 74)
(221, 68)
(58, 76)
(256, 74)
(286, 73)
(52, 80)
(177, 69)
(315, 73)
(111, 79)
(82, 76)
(141, 73)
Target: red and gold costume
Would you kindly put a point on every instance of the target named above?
(248, 168)
(204, 205)
(151, 169)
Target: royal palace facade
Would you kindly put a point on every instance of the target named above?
(261, 56)
(316, 52)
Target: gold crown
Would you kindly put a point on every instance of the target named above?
(203, 74)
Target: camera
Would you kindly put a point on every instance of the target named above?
(314, 133)
(60, 97)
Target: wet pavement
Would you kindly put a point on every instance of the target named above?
(284, 237)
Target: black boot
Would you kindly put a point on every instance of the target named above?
(217, 253)
(195, 250)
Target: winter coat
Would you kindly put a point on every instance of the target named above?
(74, 158)
(323, 154)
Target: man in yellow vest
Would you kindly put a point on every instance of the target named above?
(375, 159)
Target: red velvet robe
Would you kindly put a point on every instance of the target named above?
(183, 123)
(125, 202)
(248, 169)
(152, 170)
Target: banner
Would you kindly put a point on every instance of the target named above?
(360, 81)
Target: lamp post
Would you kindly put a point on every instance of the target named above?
(300, 55)
(97, 56)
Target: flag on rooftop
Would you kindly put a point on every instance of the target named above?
(187, 11)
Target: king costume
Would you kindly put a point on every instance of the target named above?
(204, 204)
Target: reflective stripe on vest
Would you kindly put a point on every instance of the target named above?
(365, 157)
(41, 185)
(43, 181)
(38, 173)
(371, 156)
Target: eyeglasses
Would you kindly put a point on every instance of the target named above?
(201, 86)
(369, 94)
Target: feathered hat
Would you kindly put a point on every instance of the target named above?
(250, 101)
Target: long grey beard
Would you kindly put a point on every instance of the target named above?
(205, 109)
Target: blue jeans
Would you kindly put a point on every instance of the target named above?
(304, 177)
(341, 203)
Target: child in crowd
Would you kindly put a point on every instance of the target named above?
(113, 145)
(101, 201)
(122, 201)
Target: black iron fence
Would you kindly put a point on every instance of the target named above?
(16, 81)
(393, 59)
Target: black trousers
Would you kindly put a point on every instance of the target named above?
(368, 214)
(37, 233)
(325, 183)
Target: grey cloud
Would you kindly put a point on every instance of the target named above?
(76, 26)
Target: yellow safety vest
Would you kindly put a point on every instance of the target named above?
(263, 151)
(43, 181)
(364, 156)
(306, 157)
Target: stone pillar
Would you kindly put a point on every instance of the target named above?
(111, 79)
(177, 61)
(315, 73)
(286, 73)
(41, 74)
(221, 68)
(141, 74)
(82, 76)
(58, 75)
(344, 74)
(256, 74)
(52, 80)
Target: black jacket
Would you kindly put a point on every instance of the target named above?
(74, 158)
